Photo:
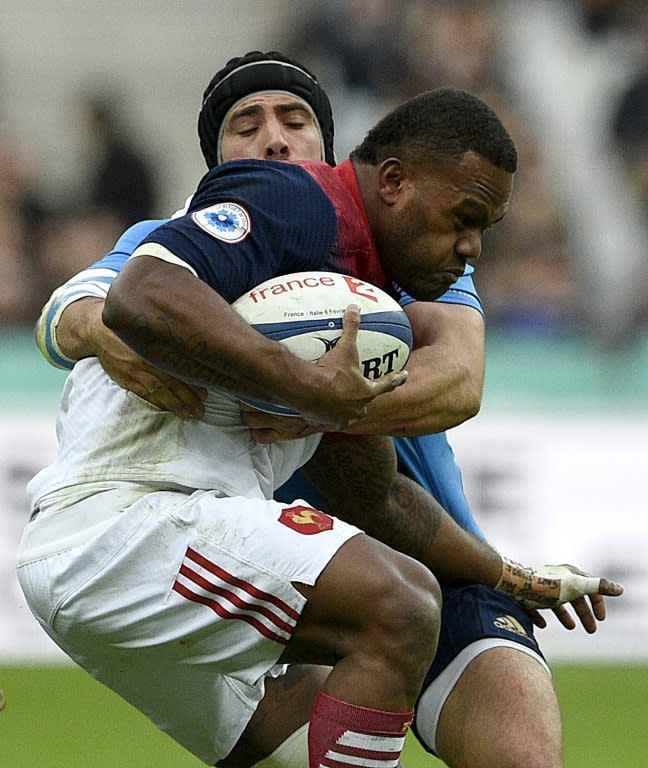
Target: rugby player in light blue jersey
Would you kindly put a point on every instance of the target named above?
(486, 637)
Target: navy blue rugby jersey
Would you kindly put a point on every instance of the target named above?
(251, 220)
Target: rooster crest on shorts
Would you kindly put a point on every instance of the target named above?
(305, 520)
(224, 221)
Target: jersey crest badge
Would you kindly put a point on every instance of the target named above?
(229, 222)
(305, 519)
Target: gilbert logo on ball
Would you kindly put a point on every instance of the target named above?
(303, 311)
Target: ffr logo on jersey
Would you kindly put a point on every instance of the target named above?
(229, 222)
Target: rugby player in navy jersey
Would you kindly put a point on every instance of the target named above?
(413, 409)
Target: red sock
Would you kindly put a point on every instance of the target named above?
(344, 735)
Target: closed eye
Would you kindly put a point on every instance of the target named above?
(470, 222)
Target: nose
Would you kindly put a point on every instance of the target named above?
(469, 244)
(275, 144)
(277, 149)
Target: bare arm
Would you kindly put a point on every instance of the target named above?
(179, 324)
(446, 374)
(81, 333)
(360, 484)
(444, 385)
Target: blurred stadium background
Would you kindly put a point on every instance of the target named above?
(555, 464)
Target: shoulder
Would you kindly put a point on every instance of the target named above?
(249, 176)
(134, 235)
(247, 221)
(281, 192)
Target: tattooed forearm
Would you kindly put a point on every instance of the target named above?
(158, 342)
(188, 358)
(360, 484)
(413, 516)
(353, 476)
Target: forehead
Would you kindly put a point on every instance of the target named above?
(473, 180)
(272, 100)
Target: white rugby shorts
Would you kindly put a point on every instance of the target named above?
(180, 603)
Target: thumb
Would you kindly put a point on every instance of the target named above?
(350, 327)
(388, 382)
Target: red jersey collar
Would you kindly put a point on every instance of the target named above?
(347, 175)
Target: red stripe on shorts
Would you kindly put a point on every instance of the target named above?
(248, 606)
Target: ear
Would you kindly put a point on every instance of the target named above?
(391, 178)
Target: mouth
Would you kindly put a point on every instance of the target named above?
(450, 276)
(436, 287)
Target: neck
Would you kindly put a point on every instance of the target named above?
(366, 175)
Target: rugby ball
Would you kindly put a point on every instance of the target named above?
(303, 311)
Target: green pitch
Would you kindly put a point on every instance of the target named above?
(60, 718)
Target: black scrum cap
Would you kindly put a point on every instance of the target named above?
(258, 71)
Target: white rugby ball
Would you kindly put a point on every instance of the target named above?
(303, 311)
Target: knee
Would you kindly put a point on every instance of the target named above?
(405, 611)
(375, 604)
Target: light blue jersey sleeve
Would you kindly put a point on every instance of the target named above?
(93, 281)
(429, 459)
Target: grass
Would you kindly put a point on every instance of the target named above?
(58, 717)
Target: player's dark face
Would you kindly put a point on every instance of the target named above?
(271, 126)
(436, 226)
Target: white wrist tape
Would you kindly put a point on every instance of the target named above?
(546, 586)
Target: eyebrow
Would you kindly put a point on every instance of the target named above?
(255, 109)
(479, 211)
